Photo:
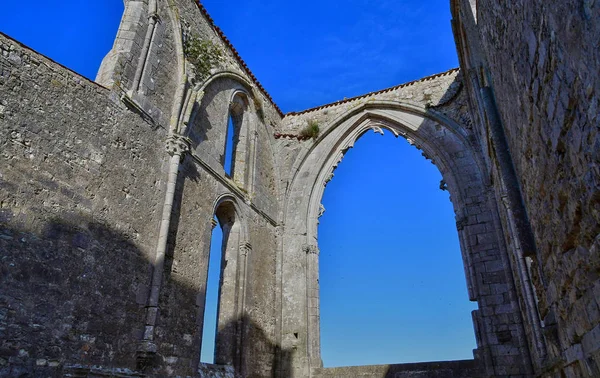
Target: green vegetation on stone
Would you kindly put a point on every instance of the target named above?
(203, 55)
(311, 130)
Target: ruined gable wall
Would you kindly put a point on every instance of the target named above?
(433, 114)
(202, 181)
(116, 179)
(81, 185)
(541, 60)
(160, 76)
(435, 91)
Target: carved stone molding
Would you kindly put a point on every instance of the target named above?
(310, 249)
(177, 145)
(377, 130)
(321, 210)
(245, 249)
(443, 185)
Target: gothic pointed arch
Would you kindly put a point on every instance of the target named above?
(448, 145)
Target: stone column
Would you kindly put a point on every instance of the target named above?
(312, 302)
(245, 250)
(252, 161)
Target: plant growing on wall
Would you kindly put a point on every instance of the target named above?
(203, 55)
(311, 130)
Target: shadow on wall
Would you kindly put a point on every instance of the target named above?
(259, 356)
(440, 369)
(72, 298)
(72, 291)
(255, 342)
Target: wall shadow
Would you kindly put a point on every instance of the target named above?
(438, 369)
(72, 301)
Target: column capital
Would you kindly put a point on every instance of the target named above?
(177, 144)
(245, 248)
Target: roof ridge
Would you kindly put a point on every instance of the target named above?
(237, 55)
(385, 90)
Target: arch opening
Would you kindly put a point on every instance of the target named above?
(219, 332)
(230, 144)
(391, 274)
(209, 326)
(236, 142)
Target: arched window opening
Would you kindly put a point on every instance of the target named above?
(392, 280)
(209, 327)
(220, 311)
(229, 148)
(235, 157)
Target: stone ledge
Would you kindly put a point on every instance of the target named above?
(441, 369)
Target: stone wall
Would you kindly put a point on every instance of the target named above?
(433, 115)
(84, 175)
(80, 193)
(541, 60)
(83, 179)
(453, 369)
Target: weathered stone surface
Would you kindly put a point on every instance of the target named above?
(107, 199)
(541, 61)
(452, 369)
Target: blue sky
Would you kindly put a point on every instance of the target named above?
(392, 282)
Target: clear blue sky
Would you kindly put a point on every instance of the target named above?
(392, 282)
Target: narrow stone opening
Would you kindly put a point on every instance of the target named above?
(220, 316)
(229, 160)
(209, 327)
(218, 331)
(392, 281)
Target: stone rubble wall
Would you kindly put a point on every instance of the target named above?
(83, 178)
(542, 59)
(449, 369)
(82, 181)
(202, 180)
(81, 189)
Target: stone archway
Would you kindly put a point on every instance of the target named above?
(497, 323)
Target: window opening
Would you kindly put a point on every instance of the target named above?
(393, 287)
(209, 328)
(228, 163)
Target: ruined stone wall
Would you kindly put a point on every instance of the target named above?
(246, 321)
(454, 369)
(83, 178)
(201, 183)
(433, 115)
(182, 298)
(175, 23)
(541, 60)
(81, 185)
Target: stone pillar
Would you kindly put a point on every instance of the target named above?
(312, 303)
(245, 250)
